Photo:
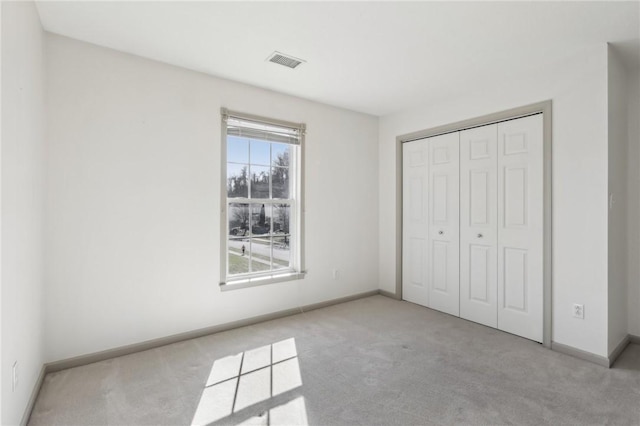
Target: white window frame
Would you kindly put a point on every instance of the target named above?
(296, 173)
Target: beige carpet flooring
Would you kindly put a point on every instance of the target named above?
(373, 361)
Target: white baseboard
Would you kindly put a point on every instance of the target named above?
(596, 359)
(389, 294)
(618, 350)
(579, 353)
(163, 341)
(34, 396)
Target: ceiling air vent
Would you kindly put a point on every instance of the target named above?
(286, 60)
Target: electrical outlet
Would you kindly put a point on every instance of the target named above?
(14, 384)
(578, 311)
(334, 274)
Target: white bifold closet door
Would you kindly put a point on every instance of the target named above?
(479, 225)
(415, 187)
(520, 227)
(501, 226)
(473, 224)
(444, 224)
(430, 263)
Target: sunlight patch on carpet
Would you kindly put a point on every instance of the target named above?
(239, 382)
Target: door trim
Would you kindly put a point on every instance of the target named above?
(510, 114)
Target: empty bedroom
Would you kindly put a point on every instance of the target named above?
(319, 213)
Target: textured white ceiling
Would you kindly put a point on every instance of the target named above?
(373, 57)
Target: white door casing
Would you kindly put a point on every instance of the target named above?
(478, 225)
(444, 225)
(415, 209)
(521, 227)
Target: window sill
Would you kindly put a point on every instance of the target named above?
(258, 281)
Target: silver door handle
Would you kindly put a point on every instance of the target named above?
(479, 235)
(441, 232)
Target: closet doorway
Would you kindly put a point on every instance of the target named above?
(476, 220)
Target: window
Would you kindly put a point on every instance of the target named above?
(262, 199)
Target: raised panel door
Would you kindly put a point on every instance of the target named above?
(479, 225)
(443, 276)
(520, 227)
(415, 222)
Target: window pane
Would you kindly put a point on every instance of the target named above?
(238, 219)
(281, 218)
(237, 257)
(237, 150)
(261, 253)
(259, 182)
(260, 219)
(280, 182)
(237, 180)
(260, 152)
(281, 252)
(280, 154)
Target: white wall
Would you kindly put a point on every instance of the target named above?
(23, 153)
(617, 244)
(1, 30)
(133, 200)
(633, 217)
(1, 364)
(578, 89)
